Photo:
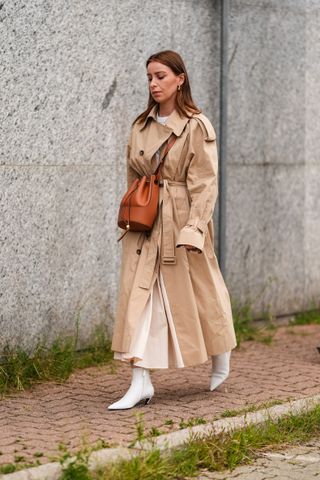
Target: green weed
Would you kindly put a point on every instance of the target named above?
(19, 370)
(38, 454)
(18, 465)
(306, 318)
(155, 432)
(246, 326)
(243, 322)
(8, 468)
(140, 430)
(226, 450)
(191, 422)
(74, 466)
(251, 408)
(217, 452)
(169, 422)
(19, 458)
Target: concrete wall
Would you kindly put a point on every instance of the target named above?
(274, 171)
(72, 79)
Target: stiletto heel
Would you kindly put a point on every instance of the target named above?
(147, 401)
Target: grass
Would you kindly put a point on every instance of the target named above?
(307, 318)
(191, 422)
(19, 464)
(216, 452)
(251, 408)
(19, 370)
(140, 429)
(168, 425)
(74, 465)
(246, 327)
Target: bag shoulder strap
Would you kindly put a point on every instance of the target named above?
(169, 145)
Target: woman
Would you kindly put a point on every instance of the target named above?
(173, 307)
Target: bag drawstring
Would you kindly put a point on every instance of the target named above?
(120, 238)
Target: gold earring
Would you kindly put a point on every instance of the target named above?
(179, 88)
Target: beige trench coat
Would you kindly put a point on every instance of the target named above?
(197, 294)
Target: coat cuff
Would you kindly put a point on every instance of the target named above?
(191, 235)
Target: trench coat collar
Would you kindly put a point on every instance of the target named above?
(174, 122)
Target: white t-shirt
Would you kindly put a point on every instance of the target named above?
(162, 120)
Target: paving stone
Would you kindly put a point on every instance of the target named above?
(295, 463)
(76, 411)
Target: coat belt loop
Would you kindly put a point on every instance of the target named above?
(168, 252)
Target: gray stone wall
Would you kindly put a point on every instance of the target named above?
(72, 79)
(274, 170)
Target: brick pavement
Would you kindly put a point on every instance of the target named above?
(38, 419)
(295, 463)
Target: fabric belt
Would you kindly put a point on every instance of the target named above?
(168, 244)
(167, 255)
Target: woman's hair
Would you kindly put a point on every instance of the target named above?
(184, 102)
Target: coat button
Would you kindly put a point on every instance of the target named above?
(138, 251)
(141, 152)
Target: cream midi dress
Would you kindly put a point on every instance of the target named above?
(155, 344)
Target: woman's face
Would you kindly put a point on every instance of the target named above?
(163, 83)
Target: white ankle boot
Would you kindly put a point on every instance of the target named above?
(141, 388)
(220, 369)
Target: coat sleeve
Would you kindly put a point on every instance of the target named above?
(202, 183)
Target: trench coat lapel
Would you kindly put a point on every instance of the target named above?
(158, 133)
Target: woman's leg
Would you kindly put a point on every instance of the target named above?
(141, 388)
(220, 369)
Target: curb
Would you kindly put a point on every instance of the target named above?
(176, 439)
(100, 458)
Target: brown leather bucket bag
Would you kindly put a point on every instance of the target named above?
(139, 206)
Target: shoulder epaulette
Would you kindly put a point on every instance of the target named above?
(206, 126)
